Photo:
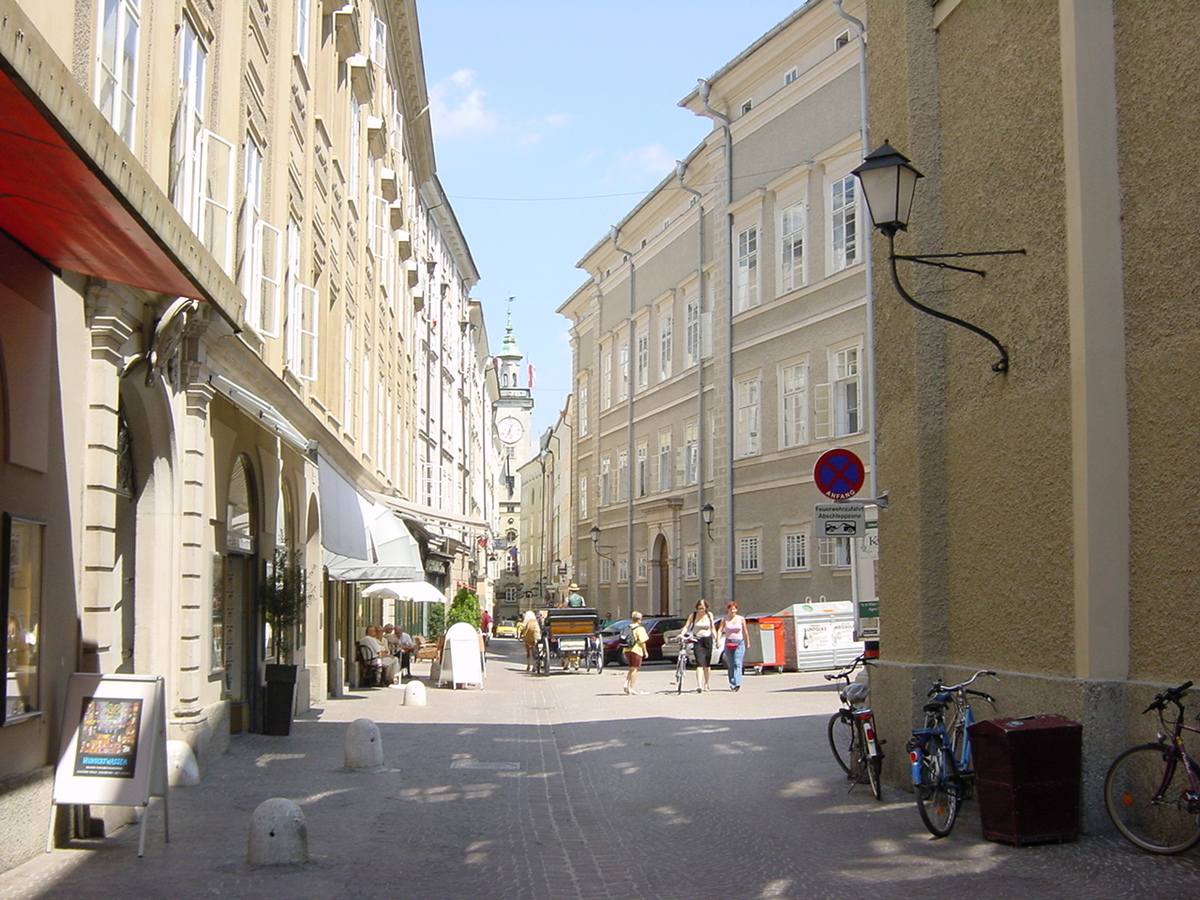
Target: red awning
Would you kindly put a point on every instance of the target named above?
(55, 204)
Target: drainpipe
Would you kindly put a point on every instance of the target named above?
(701, 536)
(630, 561)
(704, 89)
(869, 268)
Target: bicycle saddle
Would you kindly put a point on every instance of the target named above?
(856, 693)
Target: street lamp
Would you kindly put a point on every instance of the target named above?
(889, 182)
(706, 516)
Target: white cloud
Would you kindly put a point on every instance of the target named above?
(457, 108)
(653, 160)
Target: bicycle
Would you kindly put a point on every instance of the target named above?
(1152, 791)
(686, 642)
(940, 754)
(852, 736)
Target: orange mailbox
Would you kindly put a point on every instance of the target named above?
(766, 645)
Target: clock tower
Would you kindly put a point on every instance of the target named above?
(512, 414)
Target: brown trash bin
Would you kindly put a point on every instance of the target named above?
(1028, 773)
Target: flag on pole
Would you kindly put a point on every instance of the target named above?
(531, 376)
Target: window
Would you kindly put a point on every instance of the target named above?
(834, 552)
(845, 391)
(692, 331)
(379, 42)
(791, 75)
(844, 210)
(841, 40)
(642, 568)
(691, 453)
(583, 496)
(747, 106)
(795, 551)
(691, 564)
(622, 569)
(364, 397)
(583, 408)
(300, 44)
(117, 76)
(793, 391)
(643, 359)
(622, 476)
(745, 288)
(623, 371)
(665, 324)
(605, 481)
(606, 380)
(605, 570)
(791, 252)
(302, 313)
(348, 376)
(747, 559)
(664, 460)
(352, 152)
(21, 601)
(643, 475)
(262, 256)
(746, 438)
(188, 132)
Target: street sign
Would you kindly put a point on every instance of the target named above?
(848, 520)
(839, 474)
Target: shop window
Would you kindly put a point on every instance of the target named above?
(21, 600)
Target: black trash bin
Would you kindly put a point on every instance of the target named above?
(1028, 778)
(281, 690)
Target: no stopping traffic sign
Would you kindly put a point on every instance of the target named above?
(838, 474)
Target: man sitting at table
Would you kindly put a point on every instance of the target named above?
(380, 657)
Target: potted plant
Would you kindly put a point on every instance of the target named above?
(283, 597)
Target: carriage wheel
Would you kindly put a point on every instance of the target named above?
(598, 653)
(546, 655)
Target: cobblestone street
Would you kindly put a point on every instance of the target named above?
(563, 787)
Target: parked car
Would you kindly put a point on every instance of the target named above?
(506, 628)
(656, 629)
(673, 638)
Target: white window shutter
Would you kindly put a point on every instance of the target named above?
(268, 249)
(306, 332)
(823, 410)
(217, 168)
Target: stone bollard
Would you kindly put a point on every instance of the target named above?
(278, 835)
(182, 768)
(364, 748)
(414, 694)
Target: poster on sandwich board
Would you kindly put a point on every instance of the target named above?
(113, 750)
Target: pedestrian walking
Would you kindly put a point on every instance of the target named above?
(636, 652)
(701, 625)
(732, 634)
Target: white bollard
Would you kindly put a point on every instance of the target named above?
(414, 694)
(182, 768)
(278, 834)
(364, 748)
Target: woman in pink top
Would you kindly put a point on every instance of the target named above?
(731, 636)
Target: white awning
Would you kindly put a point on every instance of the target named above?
(257, 408)
(416, 591)
(343, 529)
(391, 554)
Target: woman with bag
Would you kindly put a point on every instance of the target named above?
(732, 633)
(700, 625)
(635, 653)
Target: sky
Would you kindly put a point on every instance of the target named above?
(551, 121)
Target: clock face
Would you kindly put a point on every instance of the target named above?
(510, 429)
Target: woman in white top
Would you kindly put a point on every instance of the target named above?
(732, 633)
(701, 625)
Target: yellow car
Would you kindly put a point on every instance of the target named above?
(506, 628)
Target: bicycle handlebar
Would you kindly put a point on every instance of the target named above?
(849, 670)
(938, 687)
(1170, 695)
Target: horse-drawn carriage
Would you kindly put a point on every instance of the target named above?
(572, 636)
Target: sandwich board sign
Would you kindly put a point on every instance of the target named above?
(114, 745)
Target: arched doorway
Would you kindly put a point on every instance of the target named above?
(243, 623)
(662, 575)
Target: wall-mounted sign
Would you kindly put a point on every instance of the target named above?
(839, 474)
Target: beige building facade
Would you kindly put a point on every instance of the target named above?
(236, 319)
(1026, 531)
(720, 344)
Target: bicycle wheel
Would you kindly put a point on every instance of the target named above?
(938, 794)
(841, 739)
(874, 766)
(1148, 804)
